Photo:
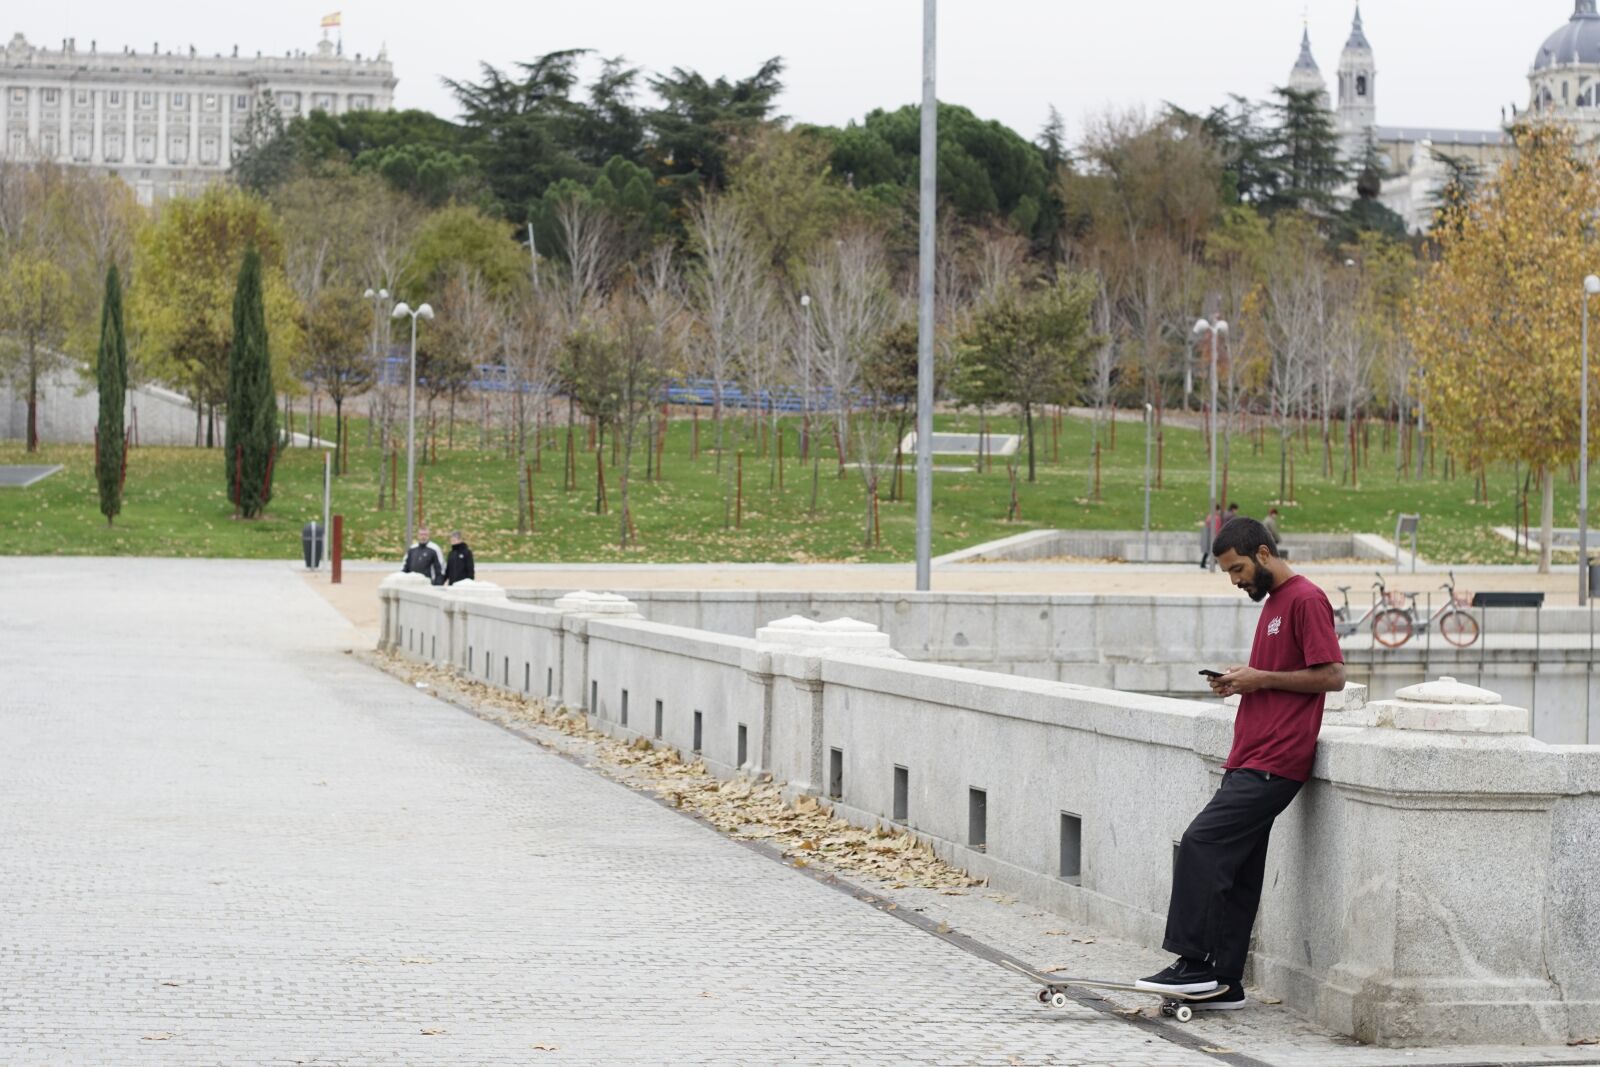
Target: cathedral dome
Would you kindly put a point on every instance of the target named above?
(1576, 42)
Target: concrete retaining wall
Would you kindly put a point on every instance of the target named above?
(1159, 644)
(1426, 887)
(69, 407)
(1165, 546)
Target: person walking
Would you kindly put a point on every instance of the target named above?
(1271, 523)
(424, 558)
(458, 566)
(1210, 526)
(1295, 661)
(1233, 513)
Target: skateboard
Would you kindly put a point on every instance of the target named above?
(1054, 987)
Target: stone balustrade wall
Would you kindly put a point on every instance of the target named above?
(1427, 886)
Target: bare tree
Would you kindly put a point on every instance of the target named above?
(730, 293)
(850, 292)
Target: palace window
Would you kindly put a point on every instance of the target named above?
(50, 97)
(113, 98)
(178, 149)
(209, 102)
(19, 96)
(241, 102)
(324, 102)
(289, 102)
(180, 102)
(147, 100)
(360, 102)
(113, 148)
(208, 151)
(80, 97)
(1361, 85)
(81, 146)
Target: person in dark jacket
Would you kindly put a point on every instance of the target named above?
(458, 567)
(424, 558)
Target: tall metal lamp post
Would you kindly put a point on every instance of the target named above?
(1202, 328)
(1591, 287)
(423, 311)
(1149, 425)
(927, 210)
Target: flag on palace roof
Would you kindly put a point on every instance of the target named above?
(330, 20)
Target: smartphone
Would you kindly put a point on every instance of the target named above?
(1212, 674)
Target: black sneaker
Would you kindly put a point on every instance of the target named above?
(1232, 1000)
(1184, 976)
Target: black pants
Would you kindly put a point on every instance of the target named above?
(1222, 858)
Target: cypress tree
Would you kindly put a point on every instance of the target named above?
(252, 429)
(111, 375)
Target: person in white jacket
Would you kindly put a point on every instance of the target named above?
(424, 558)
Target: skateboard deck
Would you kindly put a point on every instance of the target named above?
(1054, 986)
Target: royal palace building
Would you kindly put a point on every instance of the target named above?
(166, 122)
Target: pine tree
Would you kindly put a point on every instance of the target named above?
(1306, 154)
(252, 430)
(111, 373)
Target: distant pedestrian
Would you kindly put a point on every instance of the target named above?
(1233, 513)
(1271, 523)
(458, 567)
(424, 558)
(1210, 526)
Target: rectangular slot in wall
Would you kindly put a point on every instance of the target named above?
(978, 819)
(624, 707)
(902, 791)
(488, 664)
(433, 647)
(470, 660)
(505, 671)
(549, 681)
(527, 675)
(836, 773)
(659, 717)
(1071, 848)
(699, 723)
(594, 698)
(742, 751)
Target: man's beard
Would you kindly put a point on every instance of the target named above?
(1260, 583)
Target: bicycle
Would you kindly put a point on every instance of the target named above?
(1391, 627)
(1456, 624)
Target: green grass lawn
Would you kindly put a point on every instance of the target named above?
(176, 502)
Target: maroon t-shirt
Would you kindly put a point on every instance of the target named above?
(1276, 731)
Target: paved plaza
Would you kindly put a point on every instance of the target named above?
(228, 841)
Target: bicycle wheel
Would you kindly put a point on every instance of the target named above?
(1392, 627)
(1459, 628)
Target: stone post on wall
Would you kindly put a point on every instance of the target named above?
(1455, 806)
(573, 669)
(456, 600)
(389, 639)
(796, 649)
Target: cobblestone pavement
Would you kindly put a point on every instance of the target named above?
(224, 841)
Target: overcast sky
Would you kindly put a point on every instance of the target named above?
(1441, 63)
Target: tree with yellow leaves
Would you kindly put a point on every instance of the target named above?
(1496, 322)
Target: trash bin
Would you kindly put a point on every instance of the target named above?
(311, 544)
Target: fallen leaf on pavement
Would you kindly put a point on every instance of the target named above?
(162, 1036)
(417, 959)
(432, 1031)
(546, 1048)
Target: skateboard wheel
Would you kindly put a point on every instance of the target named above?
(1058, 999)
(1183, 1012)
(1044, 997)
(1166, 1009)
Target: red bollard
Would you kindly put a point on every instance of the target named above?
(338, 546)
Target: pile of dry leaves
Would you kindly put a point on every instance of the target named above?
(754, 809)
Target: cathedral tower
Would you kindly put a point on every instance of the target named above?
(1358, 79)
